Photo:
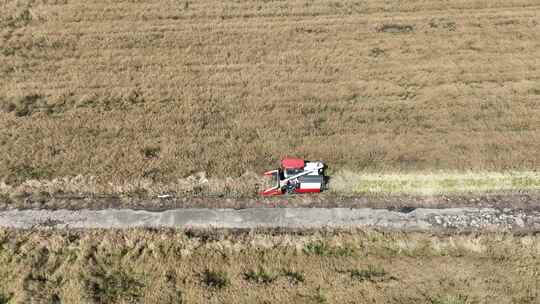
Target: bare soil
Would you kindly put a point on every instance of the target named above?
(529, 200)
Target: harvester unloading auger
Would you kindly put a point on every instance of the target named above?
(296, 176)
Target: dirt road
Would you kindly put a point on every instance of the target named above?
(429, 220)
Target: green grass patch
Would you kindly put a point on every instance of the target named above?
(372, 273)
(151, 152)
(3, 299)
(261, 275)
(21, 173)
(216, 279)
(321, 248)
(114, 286)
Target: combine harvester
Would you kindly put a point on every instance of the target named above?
(296, 176)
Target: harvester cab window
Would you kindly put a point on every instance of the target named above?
(291, 172)
(275, 179)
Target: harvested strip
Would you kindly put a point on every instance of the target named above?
(433, 183)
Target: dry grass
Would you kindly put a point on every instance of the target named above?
(159, 90)
(140, 266)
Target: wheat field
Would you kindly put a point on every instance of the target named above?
(159, 90)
